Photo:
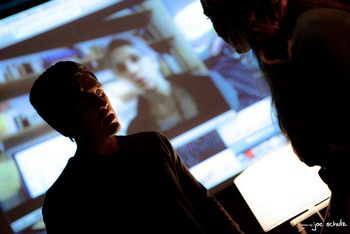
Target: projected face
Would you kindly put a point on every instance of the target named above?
(95, 116)
(138, 68)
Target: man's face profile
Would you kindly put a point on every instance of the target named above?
(94, 114)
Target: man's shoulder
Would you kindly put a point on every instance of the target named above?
(63, 180)
(142, 134)
(144, 138)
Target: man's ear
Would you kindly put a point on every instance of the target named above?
(72, 130)
(71, 139)
(68, 129)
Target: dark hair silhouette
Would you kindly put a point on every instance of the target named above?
(59, 86)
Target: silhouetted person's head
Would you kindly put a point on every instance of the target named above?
(230, 19)
(71, 100)
(269, 28)
(131, 58)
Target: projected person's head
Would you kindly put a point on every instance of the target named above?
(72, 101)
(133, 59)
(163, 101)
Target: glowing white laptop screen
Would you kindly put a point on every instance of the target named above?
(280, 186)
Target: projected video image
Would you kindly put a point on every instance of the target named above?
(160, 76)
(149, 87)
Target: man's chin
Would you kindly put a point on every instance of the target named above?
(113, 128)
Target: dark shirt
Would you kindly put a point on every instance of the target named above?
(318, 98)
(319, 83)
(144, 188)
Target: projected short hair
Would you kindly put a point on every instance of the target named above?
(130, 40)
